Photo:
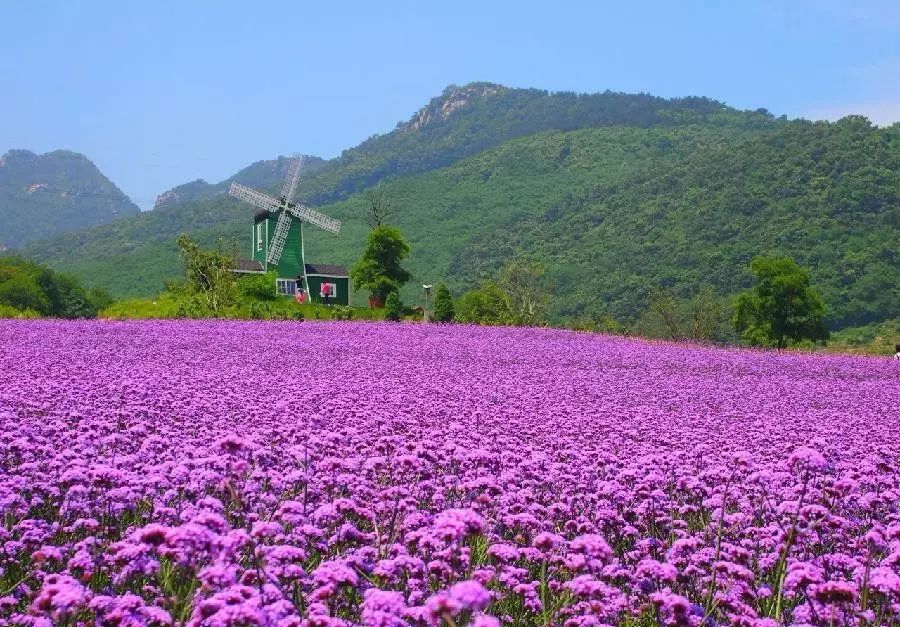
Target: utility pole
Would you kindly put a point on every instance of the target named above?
(426, 301)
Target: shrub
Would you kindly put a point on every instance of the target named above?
(6, 311)
(443, 304)
(258, 286)
(393, 309)
(487, 305)
(341, 312)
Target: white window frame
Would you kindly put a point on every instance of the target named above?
(286, 287)
(259, 236)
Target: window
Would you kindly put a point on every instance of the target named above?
(328, 290)
(287, 287)
(259, 236)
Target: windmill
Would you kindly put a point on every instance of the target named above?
(289, 217)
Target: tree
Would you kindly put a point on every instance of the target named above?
(443, 304)
(211, 286)
(782, 306)
(699, 319)
(527, 291)
(379, 269)
(21, 292)
(487, 305)
(393, 308)
(379, 207)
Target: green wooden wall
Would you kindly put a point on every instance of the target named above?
(290, 264)
(343, 289)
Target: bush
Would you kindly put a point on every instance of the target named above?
(487, 305)
(393, 309)
(341, 312)
(260, 287)
(443, 304)
(259, 311)
(21, 292)
(6, 311)
(141, 309)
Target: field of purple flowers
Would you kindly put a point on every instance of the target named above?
(229, 473)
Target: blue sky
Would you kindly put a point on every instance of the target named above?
(160, 92)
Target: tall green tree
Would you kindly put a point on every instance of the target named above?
(781, 307)
(443, 304)
(527, 291)
(211, 287)
(487, 305)
(379, 270)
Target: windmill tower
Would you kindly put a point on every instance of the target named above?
(278, 241)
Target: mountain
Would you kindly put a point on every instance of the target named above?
(58, 192)
(260, 175)
(616, 194)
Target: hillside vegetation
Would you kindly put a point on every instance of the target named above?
(652, 194)
(46, 195)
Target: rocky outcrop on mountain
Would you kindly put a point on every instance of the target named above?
(452, 99)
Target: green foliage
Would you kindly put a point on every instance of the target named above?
(341, 312)
(393, 309)
(379, 269)
(160, 307)
(210, 289)
(22, 291)
(30, 287)
(519, 298)
(527, 292)
(443, 304)
(487, 305)
(877, 338)
(781, 307)
(259, 287)
(702, 318)
(8, 311)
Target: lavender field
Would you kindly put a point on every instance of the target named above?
(229, 473)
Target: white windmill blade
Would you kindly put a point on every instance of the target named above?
(315, 217)
(263, 201)
(276, 246)
(293, 176)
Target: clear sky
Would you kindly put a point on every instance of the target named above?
(160, 92)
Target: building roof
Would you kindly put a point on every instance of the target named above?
(324, 269)
(262, 215)
(247, 265)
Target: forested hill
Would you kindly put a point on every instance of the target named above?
(464, 121)
(45, 195)
(680, 196)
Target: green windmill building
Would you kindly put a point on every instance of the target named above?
(277, 244)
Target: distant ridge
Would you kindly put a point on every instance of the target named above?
(58, 192)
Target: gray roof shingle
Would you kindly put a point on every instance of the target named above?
(326, 269)
(248, 265)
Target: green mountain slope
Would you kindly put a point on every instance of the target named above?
(680, 196)
(45, 195)
(613, 213)
(260, 175)
(464, 121)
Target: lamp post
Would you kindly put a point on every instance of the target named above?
(426, 298)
